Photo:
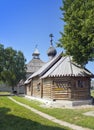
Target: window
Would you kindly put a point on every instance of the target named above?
(63, 84)
(80, 83)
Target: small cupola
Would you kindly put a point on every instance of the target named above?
(51, 51)
(36, 53)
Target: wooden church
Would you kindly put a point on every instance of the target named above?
(59, 79)
(35, 64)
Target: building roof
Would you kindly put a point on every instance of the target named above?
(45, 67)
(61, 66)
(36, 63)
(66, 67)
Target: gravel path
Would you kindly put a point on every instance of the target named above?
(53, 119)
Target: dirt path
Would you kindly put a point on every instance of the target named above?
(53, 119)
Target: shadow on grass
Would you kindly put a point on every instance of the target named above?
(11, 122)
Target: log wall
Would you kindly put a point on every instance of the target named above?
(28, 89)
(47, 83)
(71, 88)
(64, 88)
(36, 87)
(80, 91)
(61, 88)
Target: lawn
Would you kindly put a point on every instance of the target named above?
(5, 93)
(92, 93)
(15, 117)
(74, 116)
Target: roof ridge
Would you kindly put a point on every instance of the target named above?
(50, 65)
(71, 65)
(42, 70)
(55, 67)
(58, 63)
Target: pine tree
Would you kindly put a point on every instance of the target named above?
(78, 36)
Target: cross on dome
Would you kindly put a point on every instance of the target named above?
(51, 36)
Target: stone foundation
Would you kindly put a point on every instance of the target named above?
(65, 103)
(61, 103)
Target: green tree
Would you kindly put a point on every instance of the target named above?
(78, 36)
(1, 59)
(14, 68)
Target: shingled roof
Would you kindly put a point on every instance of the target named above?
(34, 65)
(66, 67)
(61, 66)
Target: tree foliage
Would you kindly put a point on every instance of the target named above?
(1, 58)
(78, 36)
(12, 66)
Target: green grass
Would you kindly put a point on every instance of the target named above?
(15, 117)
(4, 93)
(92, 93)
(74, 116)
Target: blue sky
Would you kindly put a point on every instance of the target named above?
(25, 23)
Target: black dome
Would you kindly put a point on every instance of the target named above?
(51, 51)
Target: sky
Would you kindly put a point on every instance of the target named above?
(27, 23)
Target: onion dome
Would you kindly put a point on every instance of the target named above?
(51, 51)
